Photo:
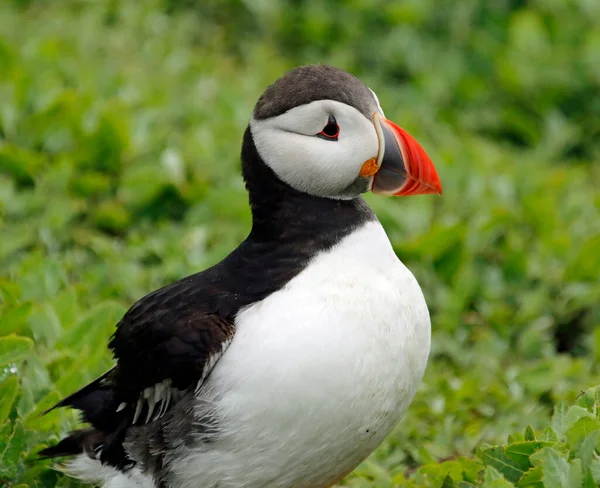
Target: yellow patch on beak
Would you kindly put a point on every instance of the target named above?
(369, 168)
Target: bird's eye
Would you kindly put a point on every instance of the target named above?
(331, 131)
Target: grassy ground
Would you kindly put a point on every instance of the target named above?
(120, 125)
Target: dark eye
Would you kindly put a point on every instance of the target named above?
(331, 131)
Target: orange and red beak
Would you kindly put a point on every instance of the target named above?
(403, 167)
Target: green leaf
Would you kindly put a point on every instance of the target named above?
(458, 469)
(588, 481)
(13, 447)
(549, 435)
(14, 348)
(532, 478)
(586, 263)
(19, 163)
(556, 469)
(10, 293)
(595, 470)
(65, 305)
(580, 430)
(590, 399)
(576, 413)
(13, 319)
(588, 446)
(380, 477)
(559, 419)
(94, 326)
(35, 419)
(8, 393)
(112, 216)
(448, 482)
(44, 324)
(575, 474)
(529, 433)
(140, 185)
(586, 452)
(90, 184)
(493, 479)
(511, 468)
(520, 451)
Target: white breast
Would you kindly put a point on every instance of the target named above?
(318, 373)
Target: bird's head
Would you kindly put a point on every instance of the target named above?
(323, 132)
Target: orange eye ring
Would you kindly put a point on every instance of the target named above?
(331, 131)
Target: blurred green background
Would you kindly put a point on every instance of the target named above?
(120, 131)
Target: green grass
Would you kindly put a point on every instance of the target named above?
(120, 127)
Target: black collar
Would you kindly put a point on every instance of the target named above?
(286, 217)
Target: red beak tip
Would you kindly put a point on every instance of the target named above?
(421, 175)
(437, 187)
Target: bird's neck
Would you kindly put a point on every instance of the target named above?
(282, 214)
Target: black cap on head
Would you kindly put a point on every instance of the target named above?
(307, 84)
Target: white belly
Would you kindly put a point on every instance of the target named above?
(318, 373)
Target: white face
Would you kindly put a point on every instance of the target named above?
(290, 145)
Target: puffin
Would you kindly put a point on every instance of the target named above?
(287, 363)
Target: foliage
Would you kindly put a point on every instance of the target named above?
(120, 125)
(562, 456)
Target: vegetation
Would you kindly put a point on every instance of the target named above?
(120, 125)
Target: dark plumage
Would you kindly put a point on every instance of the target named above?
(310, 83)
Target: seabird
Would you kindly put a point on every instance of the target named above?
(286, 364)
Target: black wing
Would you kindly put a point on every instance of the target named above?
(165, 345)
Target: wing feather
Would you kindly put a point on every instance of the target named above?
(165, 345)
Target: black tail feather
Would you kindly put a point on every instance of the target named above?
(81, 393)
(78, 442)
(98, 404)
(96, 401)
